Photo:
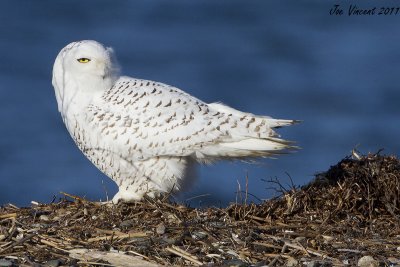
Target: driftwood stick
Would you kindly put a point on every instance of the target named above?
(118, 236)
(184, 255)
(19, 242)
(9, 215)
(52, 244)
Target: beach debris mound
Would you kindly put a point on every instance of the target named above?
(368, 186)
(346, 215)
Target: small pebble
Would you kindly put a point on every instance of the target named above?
(300, 239)
(313, 243)
(172, 218)
(53, 263)
(261, 264)
(160, 229)
(313, 264)
(126, 224)
(236, 238)
(44, 218)
(4, 262)
(367, 261)
(140, 241)
(37, 213)
(327, 238)
(169, 241)
(19, 236)
(198, 235)
(232, 252)
(291, 262)
(235, 263)
(217, 224)
(394, 260)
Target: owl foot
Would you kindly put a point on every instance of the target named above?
(126, 196)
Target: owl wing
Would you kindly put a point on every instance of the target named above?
(143, 119)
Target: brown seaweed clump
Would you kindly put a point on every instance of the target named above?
(346, 215)
(367, 187)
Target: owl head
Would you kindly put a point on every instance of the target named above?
(85, 66)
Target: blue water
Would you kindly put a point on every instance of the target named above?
(291, 60)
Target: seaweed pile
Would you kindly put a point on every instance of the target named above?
(346, 215)
(366, 187)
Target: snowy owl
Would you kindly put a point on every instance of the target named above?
(145, 135)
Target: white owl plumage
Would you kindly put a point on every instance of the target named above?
(147, 136)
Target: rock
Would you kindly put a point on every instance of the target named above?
(142, 242)
(39, 226)
(19, 236)
(172, 218)
(217, 224)
(313, 243)
(199, 235)
(313, 264)
(160, 229)
(169, 241)
(38, 213)
(126, 224)
(328, 238)
(44, 218)
(300, 239)
(235, 263)
(53, 263)
(236, 238)
(4, 263)
(291, 262)
(394, 260)
(367, 261)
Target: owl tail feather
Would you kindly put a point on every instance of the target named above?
(254, 147)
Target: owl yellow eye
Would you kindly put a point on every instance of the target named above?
(83, 60)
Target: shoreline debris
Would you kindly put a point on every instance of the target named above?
(346, 215)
